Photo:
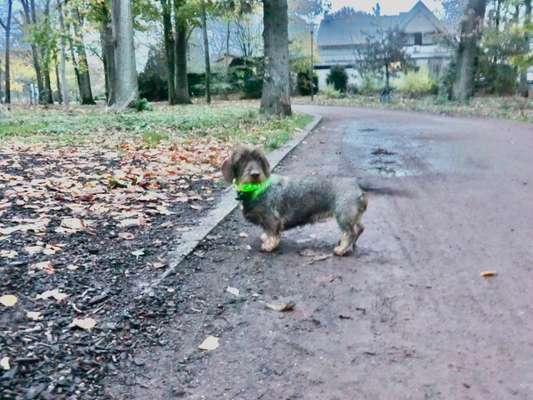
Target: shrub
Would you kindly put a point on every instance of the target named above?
(338, 78)
(417, 83)
(153, 87)
(370, 84)
(352, 89)
(253, 87)
(303, 83)
(498, 79)
(246, 74)
(331, 93)
(141, 105)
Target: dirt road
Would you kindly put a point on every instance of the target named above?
(408, 317)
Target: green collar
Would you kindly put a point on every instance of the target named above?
(251, 191)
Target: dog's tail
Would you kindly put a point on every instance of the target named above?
(381, 190)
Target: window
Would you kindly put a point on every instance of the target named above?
(418, 39)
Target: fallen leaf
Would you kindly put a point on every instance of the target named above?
(210, 343)
(45, 266)
(314, 255)
(138, 253)
(8, 300)
(4, 363)
(83, 323)
(126, 235)
(74, 224)
(233, 291)
(52, 249)
(126, 223)
(34, 315)
(8, 253)
(31, 250)
(158, 265)
(488, 274)
(281, 307)
(196, 207)
(52, 293)
(243, 235)
(72, 267)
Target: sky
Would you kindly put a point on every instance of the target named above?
(388, 7)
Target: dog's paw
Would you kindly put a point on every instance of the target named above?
(263, 237)
(270, 244)
(341, 250)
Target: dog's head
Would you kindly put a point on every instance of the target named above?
(246, 165)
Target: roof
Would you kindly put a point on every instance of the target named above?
(353, 28)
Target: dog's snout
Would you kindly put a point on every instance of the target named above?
(255, 175)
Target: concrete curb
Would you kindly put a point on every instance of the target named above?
(227, 203)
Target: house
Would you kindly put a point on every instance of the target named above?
(340, 35)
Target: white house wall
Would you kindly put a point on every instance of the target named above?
(420, 23)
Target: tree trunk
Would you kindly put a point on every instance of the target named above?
(48, 92)
(206, 55)
(387, 78)
(7, 28)
(108, 57)
(73, 57)
(182, 84)
(45, 56)
(84, 81)
(29, 20)
(467, 52)
(524, 86)
(58, 82)
(275, 99)
(126, 86)
(168, 38)
(63, 57)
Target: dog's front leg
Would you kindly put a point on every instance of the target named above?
(272, 235)
(270, 242)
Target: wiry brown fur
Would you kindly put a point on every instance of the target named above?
(293, 202)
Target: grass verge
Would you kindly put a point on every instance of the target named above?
(228, 122)
(513, 108)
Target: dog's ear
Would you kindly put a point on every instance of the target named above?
(260, 156)
(227, 169)
(229, 166)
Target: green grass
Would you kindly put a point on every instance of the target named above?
(229, 121)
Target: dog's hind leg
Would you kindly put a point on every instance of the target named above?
(349, 220)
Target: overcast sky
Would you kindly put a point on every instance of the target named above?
(387, 6)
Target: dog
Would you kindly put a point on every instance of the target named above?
(277, 203)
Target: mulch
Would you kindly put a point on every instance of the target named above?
(81, 231)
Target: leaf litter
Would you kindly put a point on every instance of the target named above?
(73, 223)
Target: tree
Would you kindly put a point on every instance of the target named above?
(7, 28)
(248, 35)
(524, 87)
(467, 52)
(63, 57)
(125, 85)
(30, 20)
(383, 54)
(181, 13)
(206, 53)
(168, 39)
(275, 99)
(83, 75)
(453, 11)
(43, 34)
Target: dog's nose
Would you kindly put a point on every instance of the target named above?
(255, 175)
